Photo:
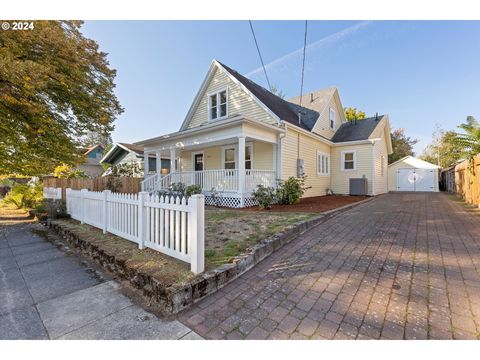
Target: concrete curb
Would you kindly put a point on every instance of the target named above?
(173, 299)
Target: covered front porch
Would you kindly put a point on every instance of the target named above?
(228, 161)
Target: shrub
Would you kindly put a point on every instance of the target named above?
(193, 190)
(291, 190)
(265, 196)
(67, 172)
(25, 195)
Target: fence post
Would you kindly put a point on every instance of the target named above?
(58, 195)
(67, 194)
(197, 234)
(82, 205)
(142, 199)
(106, 193)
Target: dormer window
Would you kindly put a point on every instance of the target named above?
(332, 118)
(217, 105)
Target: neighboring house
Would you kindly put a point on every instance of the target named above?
(413, 174)
(238, 135)
(92, 166)
(123, 153)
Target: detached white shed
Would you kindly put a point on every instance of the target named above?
(412, 174)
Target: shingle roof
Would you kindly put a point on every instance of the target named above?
(359, 130)
(135, 148)
(285, 110)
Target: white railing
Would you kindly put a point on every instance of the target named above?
(173, 226)
(221, 180)
(52, 193)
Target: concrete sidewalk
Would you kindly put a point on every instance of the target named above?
(46, 293)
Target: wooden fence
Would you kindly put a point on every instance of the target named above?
(172, 225)
(467, 180)
(129, 185)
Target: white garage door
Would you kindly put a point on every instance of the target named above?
(415, 180)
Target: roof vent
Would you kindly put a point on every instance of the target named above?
(311, 97)
(376, 116)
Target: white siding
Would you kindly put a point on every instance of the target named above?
(296, 145)
(364, 164)
(239, 102)
(407, 164)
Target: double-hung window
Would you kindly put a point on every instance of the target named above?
(332, 119)
(348, 161)
(323, 164)
(217, 105)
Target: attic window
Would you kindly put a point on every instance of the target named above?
(217, 105)
(332, 118)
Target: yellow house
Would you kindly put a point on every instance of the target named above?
(238, 135)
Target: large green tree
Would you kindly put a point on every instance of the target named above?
(402, 145)
(55, 87)
(444, 150)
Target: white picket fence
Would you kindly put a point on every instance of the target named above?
(171, 225)
(52, 193)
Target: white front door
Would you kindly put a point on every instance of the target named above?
(415, 180)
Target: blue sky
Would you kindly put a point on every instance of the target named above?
(421, 73)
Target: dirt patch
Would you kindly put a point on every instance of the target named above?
(229, 233)
(316, 204)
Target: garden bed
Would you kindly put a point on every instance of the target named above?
(315, 204)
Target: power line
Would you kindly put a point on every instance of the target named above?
(303, 64)
(260, 55)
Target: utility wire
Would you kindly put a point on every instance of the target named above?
(260, 55)
(303, 64)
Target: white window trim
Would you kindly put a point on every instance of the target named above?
(209, 105)
(327, 156)
(382, 165)
(342, 160)
(235, 146)
(193, 159)
(330, 112)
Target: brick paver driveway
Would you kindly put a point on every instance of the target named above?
(403, 266)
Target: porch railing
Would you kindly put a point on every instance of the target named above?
(221, 180)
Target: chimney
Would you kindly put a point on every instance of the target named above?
(376, 116)
(311, 97)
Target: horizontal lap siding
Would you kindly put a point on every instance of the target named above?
(381, 181)
(308, 152)
(239, 102)
(262, 157)
(341, 179)
(322, 127)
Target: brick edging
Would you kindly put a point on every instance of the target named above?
(173, 299)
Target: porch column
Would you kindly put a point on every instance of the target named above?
(158, 168)
(241, 169)
(173, 156)
(145, 164)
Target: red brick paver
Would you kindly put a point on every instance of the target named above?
(403, 266)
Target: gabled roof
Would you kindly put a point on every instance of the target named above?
(132, 147)
(357, 130)
(416, 162)
(120, 148)
(86, 151)
(285, 110)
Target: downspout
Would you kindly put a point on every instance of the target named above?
(373, 167)
(280, 151)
